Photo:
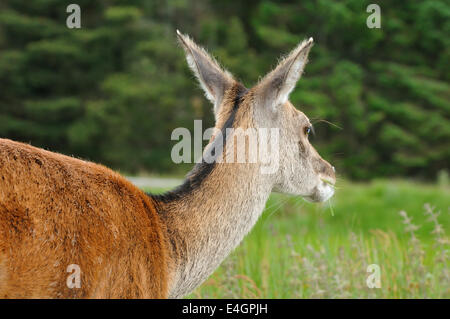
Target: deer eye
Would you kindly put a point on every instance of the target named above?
(307, 130)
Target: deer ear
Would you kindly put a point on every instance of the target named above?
(274, 89)
(213, 79)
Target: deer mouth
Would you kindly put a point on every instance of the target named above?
(322, 192)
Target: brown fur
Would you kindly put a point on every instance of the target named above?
(56, 210)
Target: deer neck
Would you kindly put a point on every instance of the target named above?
(207, 220)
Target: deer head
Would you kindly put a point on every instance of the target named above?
(301, 170)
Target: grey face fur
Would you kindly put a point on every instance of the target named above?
(301, 169)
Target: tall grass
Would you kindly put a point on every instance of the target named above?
(304, 250)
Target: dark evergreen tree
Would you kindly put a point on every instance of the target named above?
(114, 90)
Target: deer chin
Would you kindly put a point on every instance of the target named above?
(321, 193)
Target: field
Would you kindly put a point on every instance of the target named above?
(304, 250)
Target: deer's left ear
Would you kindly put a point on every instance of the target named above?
(213, 79)
(274, 89)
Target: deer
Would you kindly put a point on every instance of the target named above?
(57, 210)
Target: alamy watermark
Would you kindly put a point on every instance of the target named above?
(374, 279)
(74, 279)
(231, 145)
(374, 19)
(73, 21)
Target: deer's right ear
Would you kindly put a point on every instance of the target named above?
(213, 79)
(274, 89)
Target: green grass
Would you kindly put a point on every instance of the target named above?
(304, 250)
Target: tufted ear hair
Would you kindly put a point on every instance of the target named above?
(213, 79)
(274, 89)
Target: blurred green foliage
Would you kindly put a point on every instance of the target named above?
(114, 90)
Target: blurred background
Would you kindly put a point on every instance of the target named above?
(113, 91)
(120, 84)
